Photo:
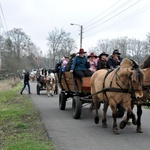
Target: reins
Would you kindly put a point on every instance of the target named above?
(111, 89)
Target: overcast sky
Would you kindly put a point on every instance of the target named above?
(101, 19)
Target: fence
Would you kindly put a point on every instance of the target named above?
(4, 74)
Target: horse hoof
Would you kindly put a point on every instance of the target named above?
(116, 130)
(104, 125)
(129, 122)
(96, 120)
(122, 124)
(139, 130)
(134, 121)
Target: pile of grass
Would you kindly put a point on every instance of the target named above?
(20, 125)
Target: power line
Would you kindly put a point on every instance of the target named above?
(3, 18)
(113, 16)
(110, 13)
(101, 14)
(124, 19)
(1, 24)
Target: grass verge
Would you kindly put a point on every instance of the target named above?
(20, 124)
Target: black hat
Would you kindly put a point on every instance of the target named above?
(73, 55)
(66, 56)
(116, 51)
(103, 53)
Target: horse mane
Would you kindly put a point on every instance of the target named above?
(146, 63)
(133, 65)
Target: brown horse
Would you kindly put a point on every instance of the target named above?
(116, 87)
(146, 93)
(50, 84)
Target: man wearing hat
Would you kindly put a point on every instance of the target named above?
(114, 60)
(80, 65)
(103, 61)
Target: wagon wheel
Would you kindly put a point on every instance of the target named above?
(38, 89)
(76, 107)
(62, 101)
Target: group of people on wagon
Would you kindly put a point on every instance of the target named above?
(83, 66)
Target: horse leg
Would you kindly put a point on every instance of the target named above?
(47, 89)
(48, 93)
(134, 120)
(96, 119)
(53, 89)
(113, 106)
(95, 102)
(139, 114)
(129, 115)
(104, 121)
(132, 106)
(120, 111)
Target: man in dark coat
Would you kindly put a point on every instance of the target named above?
(26, 82)
(80, 65)
(114, 60)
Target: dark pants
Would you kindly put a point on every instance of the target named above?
(26, 83)
(80, 74)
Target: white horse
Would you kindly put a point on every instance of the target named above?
(50, 84)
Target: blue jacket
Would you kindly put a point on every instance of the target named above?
(80, 63)
(112, 63)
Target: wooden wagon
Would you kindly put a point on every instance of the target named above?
(72, 87)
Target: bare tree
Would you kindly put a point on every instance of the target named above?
(2, 46)
(136, 49)
(103, 46)
(19, 51)
(60, 43)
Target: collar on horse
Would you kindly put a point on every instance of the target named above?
(113, 89)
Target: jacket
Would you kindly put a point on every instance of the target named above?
(112, 63)
(80, 64)
(101, 64)
(26, 77)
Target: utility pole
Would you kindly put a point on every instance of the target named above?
(81, 33)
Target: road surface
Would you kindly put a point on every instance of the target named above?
(83, 134)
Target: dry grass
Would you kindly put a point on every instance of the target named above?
(21, 127)
(8, 84)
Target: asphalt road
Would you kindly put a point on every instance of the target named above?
(83, 134)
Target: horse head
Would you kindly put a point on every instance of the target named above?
(136, 78)
(129, 63)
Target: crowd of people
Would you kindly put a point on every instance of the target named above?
(80, 64)
(84, 66)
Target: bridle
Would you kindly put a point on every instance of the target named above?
(129, 84)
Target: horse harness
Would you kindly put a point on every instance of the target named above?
(113, 89)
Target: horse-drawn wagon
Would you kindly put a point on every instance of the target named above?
(123, 86)
(72, 87)
(41, 84)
